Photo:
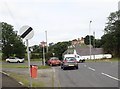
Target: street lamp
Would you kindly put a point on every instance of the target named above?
(90, 37)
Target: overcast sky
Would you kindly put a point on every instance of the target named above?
(63, 20)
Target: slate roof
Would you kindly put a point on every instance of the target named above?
(86, 50)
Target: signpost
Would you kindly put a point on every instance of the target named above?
(27, 33)
(43, 46)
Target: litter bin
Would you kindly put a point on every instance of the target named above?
(33, 69)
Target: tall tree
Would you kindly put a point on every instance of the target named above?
(11, 43)
(111, 39)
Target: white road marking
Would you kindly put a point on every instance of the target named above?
(4, 73)
(85, 65)
(21, 83)
(110, 76)
(91, 68)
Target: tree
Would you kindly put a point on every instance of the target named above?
(98, 43)
(86, 39)
(59, 48)
(111, 39)
(11, 43)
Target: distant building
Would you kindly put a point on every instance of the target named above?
(79, 41)
(84, 51)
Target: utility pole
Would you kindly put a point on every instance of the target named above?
(118, 5)
(94, 43)
(119, 9)
(94, 39)
(90, 37)
(46, 41)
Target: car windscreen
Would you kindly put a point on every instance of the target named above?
(70, 59)
(54, 58)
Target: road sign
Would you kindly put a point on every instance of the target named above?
(26, 32)
(43, 44)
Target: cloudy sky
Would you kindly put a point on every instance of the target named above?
(63, 20)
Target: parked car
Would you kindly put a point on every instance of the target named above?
(54, 61)
(70, 62)
(15, 60)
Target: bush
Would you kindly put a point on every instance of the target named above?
(35, 56)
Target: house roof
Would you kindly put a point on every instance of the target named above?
(86, 51)
(83, 51)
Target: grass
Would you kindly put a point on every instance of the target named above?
(35, 59)
(0, 56)
(25, 80)
(44, 67)
(24, 66)
(14, 66)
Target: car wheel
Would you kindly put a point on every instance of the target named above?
(76, 67)
(18, 61)
(51, 64)
(8, 61)
(63, 68)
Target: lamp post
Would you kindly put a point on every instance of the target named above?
(90, 37)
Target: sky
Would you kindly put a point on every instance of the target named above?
(64, 20)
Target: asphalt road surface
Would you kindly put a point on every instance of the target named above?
(94, 74)
(89, 74)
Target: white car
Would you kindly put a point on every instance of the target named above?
(15, 59)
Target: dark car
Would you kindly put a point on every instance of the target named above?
(69, 62)
(54, 61)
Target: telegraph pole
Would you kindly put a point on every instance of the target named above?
(94, 43)
(43, 46)
(46, 41)
(94, 39)
(90, 37)
(119, 9)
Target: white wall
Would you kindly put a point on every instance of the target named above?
(99, 56)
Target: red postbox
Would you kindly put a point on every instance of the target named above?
(33, 69)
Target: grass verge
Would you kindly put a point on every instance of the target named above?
(25, 66)
(14, 66)
(44, 67)
(25, 80)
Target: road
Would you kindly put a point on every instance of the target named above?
(89, 74)
(94, 74)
